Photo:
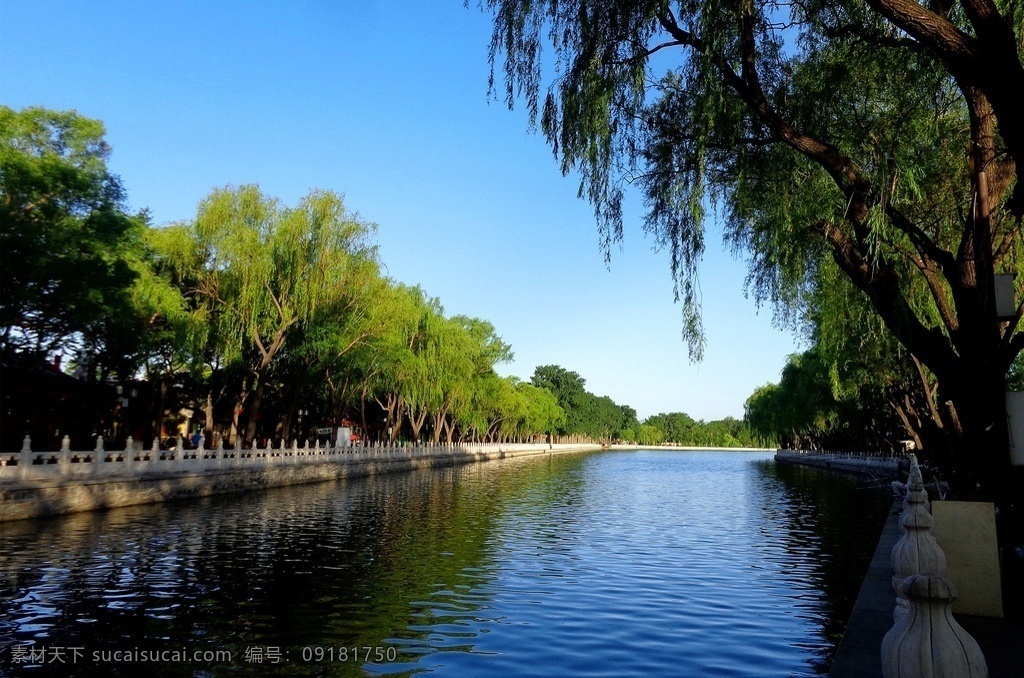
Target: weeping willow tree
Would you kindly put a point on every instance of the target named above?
(465, 365)
(884, 139)
(260, 271)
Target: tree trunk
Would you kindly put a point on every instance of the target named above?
(239, 408)
(416, 421)
(161, 405)
(208, 410)
(392, 406)
(978, 457)
(440, 423)
(254, 409)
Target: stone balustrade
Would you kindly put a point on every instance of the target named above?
(99, 463)
(851, 462)
(925, 640)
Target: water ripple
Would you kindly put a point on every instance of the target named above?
(614, 564)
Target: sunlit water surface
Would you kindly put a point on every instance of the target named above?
(647, 563)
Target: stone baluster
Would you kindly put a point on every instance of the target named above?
(26, 443)
(155, 447)
(179, 446)
(927, 641)
(916, 552)
(129, 445)
(915, 482)
(99, 444)
(65, 444)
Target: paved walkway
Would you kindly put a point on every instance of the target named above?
(859, 654)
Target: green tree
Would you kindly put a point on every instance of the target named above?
(878, 382)
(595, 417)
(422, 361)
(808, 409)
(263, 271)
(163, 334)
(648, 434)
(474, 348)
(541, 414)
(568, 389)
(676, 427)
(321, 368)
(67, 240)
(883, 138)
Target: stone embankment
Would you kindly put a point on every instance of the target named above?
(34, 484)
(849, 462)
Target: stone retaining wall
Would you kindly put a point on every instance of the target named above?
(837, 461)
(61, 485)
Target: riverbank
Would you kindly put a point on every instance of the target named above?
(35, 484)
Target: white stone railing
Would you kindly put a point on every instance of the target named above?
(28, 465)
(858, 462)
(849, 454)
(925, 640)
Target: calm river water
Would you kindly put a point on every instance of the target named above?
(648, 563)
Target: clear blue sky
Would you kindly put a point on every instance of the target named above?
(386, 102)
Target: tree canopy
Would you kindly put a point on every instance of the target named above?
(880, 140)
(67, 239)
(586, 414)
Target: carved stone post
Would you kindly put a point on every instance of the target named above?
(916, 552)
(927, 642)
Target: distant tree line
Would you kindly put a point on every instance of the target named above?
(599, 417)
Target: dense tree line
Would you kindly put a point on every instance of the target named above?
(254, 320)
(600, 418)
(586, 415)
(678, 428)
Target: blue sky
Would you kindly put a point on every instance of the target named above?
(386, 102)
